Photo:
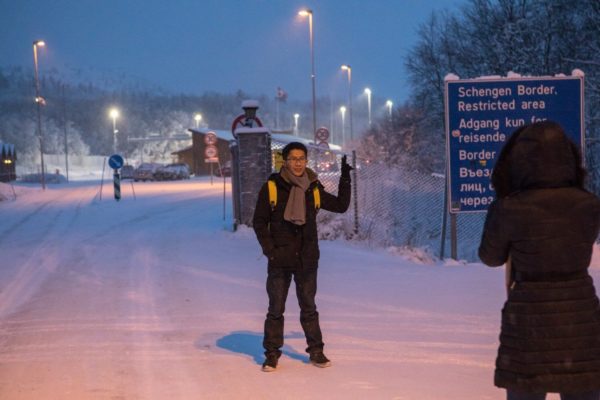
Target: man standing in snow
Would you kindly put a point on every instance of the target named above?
(285, 222)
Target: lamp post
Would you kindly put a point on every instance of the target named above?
(308, 13)
(198, 118)
(368, 93)
(39, 100)
(296, 116)
(389, 105)
(114, 114)
(348, 69)
(343, 111)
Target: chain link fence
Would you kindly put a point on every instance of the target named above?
(406, 209)
(395, 207)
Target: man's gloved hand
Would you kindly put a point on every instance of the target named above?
(346, 168)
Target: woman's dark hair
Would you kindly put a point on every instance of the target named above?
(501, 173)
(501, 177)
(293, 146)
(580, 172)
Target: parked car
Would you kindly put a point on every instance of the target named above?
(127, 171)
(145, 172)
(172, 172)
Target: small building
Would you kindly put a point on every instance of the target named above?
(8, 159)
(194, 156)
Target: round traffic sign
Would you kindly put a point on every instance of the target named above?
(115, 161)
(242, 120)
(322, 134)
(210, 151)
(210, 138)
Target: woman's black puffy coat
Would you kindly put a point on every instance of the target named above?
(550, 337)
(288, 245)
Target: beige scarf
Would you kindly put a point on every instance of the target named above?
(295, 209)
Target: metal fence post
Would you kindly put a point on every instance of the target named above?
(453, 237)
(355, 192)
(444, 217)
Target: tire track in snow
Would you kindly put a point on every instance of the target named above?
(46, 257)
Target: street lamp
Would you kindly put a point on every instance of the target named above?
(39, 101)
(114, 114)
(296, 116)
(368, 93)
(389, 105)
(343, 111)
(308, 13)
(348, 69)
(198, 118)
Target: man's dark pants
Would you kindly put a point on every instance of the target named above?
(278, 284)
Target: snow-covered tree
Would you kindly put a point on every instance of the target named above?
(494, 37)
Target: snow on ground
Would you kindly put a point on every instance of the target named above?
(155, 298)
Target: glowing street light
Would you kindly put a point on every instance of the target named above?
(114, 114)
(348, 69)
(296, 116)
(389, 105)
(198, 118)
(368, 93)
(308, 13)
(39, 101)
(343, 111)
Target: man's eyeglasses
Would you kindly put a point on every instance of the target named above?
(300, 160)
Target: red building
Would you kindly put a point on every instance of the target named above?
(194, 156)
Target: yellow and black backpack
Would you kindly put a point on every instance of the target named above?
(273, 195)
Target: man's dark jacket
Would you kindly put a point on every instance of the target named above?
(550, 335)
(285, 244)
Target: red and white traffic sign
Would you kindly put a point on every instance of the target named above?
(210, 151)
(210, 138)
(322, 134)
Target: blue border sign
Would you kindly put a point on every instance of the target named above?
(482, 113)
(115, 161)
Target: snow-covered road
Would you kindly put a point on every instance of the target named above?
(153, 299)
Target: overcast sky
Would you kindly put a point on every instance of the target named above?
(194, 46)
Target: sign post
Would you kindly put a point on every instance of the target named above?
(482, 113)
(115, 162)
(211, 152)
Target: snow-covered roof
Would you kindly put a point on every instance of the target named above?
(277, 137)
(182, 150)
(221, 134)
(256, 129)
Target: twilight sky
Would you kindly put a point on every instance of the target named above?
(193, 46)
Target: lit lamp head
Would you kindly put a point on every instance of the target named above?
(305, 13)
(39, 43)
(114, 113)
